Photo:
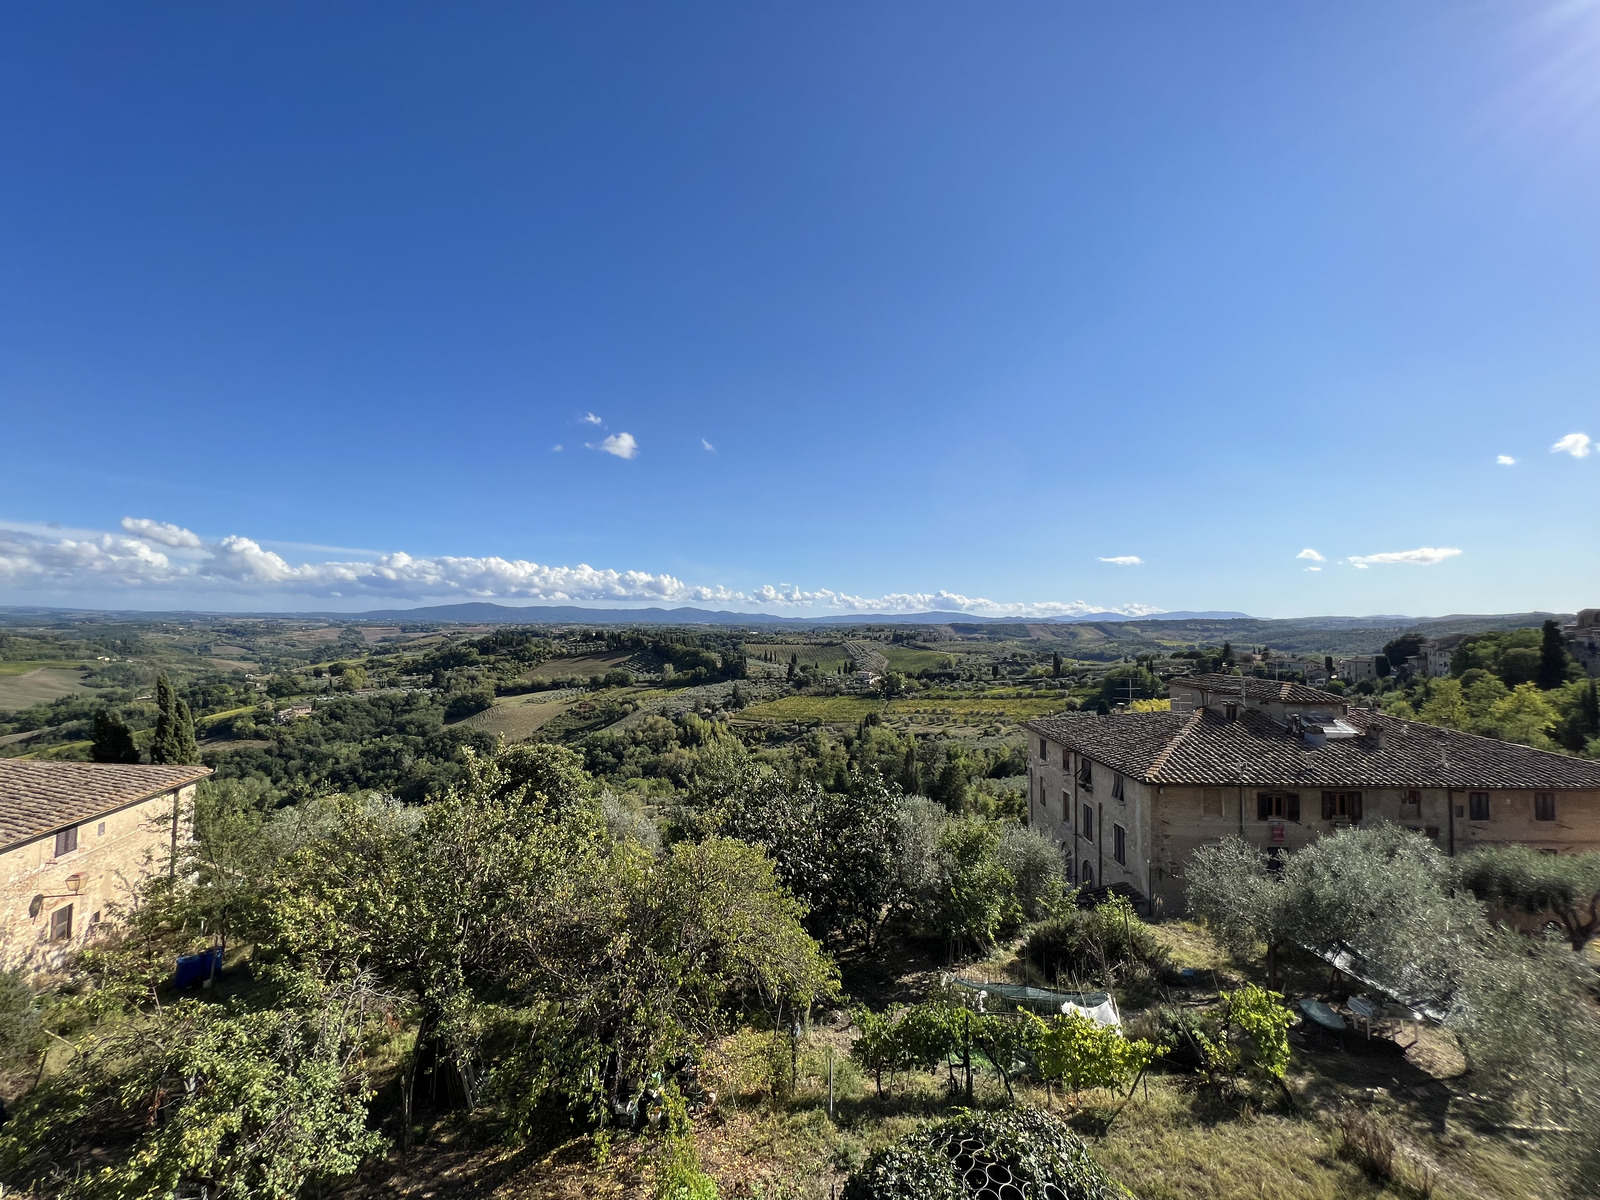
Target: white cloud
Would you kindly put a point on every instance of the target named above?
(1505, 460)
(1313, 568)
(708, 445)
(164, 532)
(557, 448)
(1124, 560)
(590, 419)
(1576, 444)
(1423, 556)
(620, 444)
(1308, 552)
(34, 557)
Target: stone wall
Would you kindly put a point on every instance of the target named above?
(116, 851)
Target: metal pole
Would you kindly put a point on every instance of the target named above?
(830, 1083)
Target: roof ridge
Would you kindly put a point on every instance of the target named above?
(1161, 758)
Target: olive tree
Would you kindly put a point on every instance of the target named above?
(1563, 887)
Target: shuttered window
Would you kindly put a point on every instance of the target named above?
(61, 924)
(1280, 805)
(1341, 806)
(1544, 806)
(1119, 844)
(1478, 806)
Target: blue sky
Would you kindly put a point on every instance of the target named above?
(885, 305)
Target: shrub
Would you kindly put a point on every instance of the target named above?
(1367, 1144)
(1082, 1053)
(463, 704)
(1020, 1152)
(1083, 941)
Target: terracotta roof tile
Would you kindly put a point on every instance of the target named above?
(1260, 689)
(1205, 748)
(37, 798)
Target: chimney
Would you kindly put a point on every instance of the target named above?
(1375, 736)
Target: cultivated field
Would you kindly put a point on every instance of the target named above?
(582, 666)
(909, 661)
(978, 710)
(827, 656)
(517, 718)
(27, 683)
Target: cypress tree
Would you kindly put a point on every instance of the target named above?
(113, 740)
(174, 740)
(1552, 659)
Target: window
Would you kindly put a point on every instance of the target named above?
(1284, 806)
(1066, 760)
(61, 924)
(1088, 823)
(66, 841)
(1211, 802)
(1088, 874)
(1116, 787)
(1341, 806)
(1066, 806)
(1412, 797)
(1478, 803)
(1044, 749)
(101, 831)
(1086, 776)
(1544, 806)
(1119, 844)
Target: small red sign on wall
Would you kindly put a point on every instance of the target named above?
(1277, 831)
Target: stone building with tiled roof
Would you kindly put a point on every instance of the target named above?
(76, 838)
(1130, 795)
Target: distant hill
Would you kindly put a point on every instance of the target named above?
(485, 613)
(1104, 636)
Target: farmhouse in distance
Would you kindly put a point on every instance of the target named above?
(1130, 795)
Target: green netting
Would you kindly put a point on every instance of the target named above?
(1003, 996)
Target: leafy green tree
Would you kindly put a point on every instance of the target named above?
(113, 740)
(1563, 887)
(242, 1102)
(1034, 862)
(1382, 893)
(1525, 716)
(830, 847)
(461, 705)
(21, 1029)
(1405, 646)
(174, 740)
(973, 896)
(1581, 723)
(1231, 888)
(1553, 658)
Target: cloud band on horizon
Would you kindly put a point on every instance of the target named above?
(155, 555)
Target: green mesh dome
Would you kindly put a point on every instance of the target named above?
(1021, 1154)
